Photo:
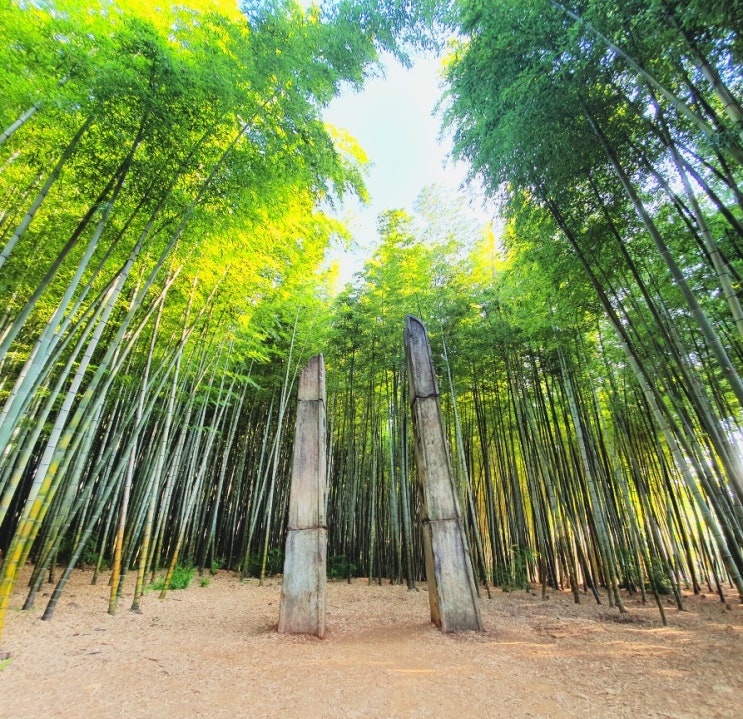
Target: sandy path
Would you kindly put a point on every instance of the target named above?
(214, 652)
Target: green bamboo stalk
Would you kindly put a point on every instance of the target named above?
(67, 153)
(283, 402)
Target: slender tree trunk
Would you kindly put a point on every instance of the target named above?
(41, 196)
(283, 402)
(705, 326)
(19, 123)
(681, 107)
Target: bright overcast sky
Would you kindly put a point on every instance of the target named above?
(392, 119)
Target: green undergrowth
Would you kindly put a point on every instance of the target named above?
(181, 579)
(514, 575)
(274, 563)
(340, 568)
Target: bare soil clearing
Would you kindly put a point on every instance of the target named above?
(214, 652)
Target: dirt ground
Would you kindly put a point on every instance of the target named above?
(213, 651)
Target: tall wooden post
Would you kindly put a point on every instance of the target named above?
(452, 593)
(302, 608)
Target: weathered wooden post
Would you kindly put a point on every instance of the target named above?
(452, 593)
(302, 608)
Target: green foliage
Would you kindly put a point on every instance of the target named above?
(631, 572)
(274, 563)
(658, 580)
(185, 144)
(162, 174)
(181, 579)
(339, 567)
(515, 575)
(586, 121)
(89, 554)
(204, 582)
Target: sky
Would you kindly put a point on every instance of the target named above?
(393, 121)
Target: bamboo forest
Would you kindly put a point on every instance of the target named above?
(168, 200)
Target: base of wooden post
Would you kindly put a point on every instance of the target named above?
(302, 608)
(452, 594)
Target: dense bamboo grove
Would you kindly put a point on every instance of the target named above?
(640, 185)
(163, 174)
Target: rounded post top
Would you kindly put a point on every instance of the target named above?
(421, 375)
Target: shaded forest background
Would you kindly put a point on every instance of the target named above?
(166, 181)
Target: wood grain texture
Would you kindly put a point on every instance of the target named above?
(302, 605)
(452, 594)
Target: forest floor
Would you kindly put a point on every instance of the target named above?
(213, 651)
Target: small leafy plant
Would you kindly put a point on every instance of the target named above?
(514, 576)
(340, 567)
(181, 579)
(274, 563)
